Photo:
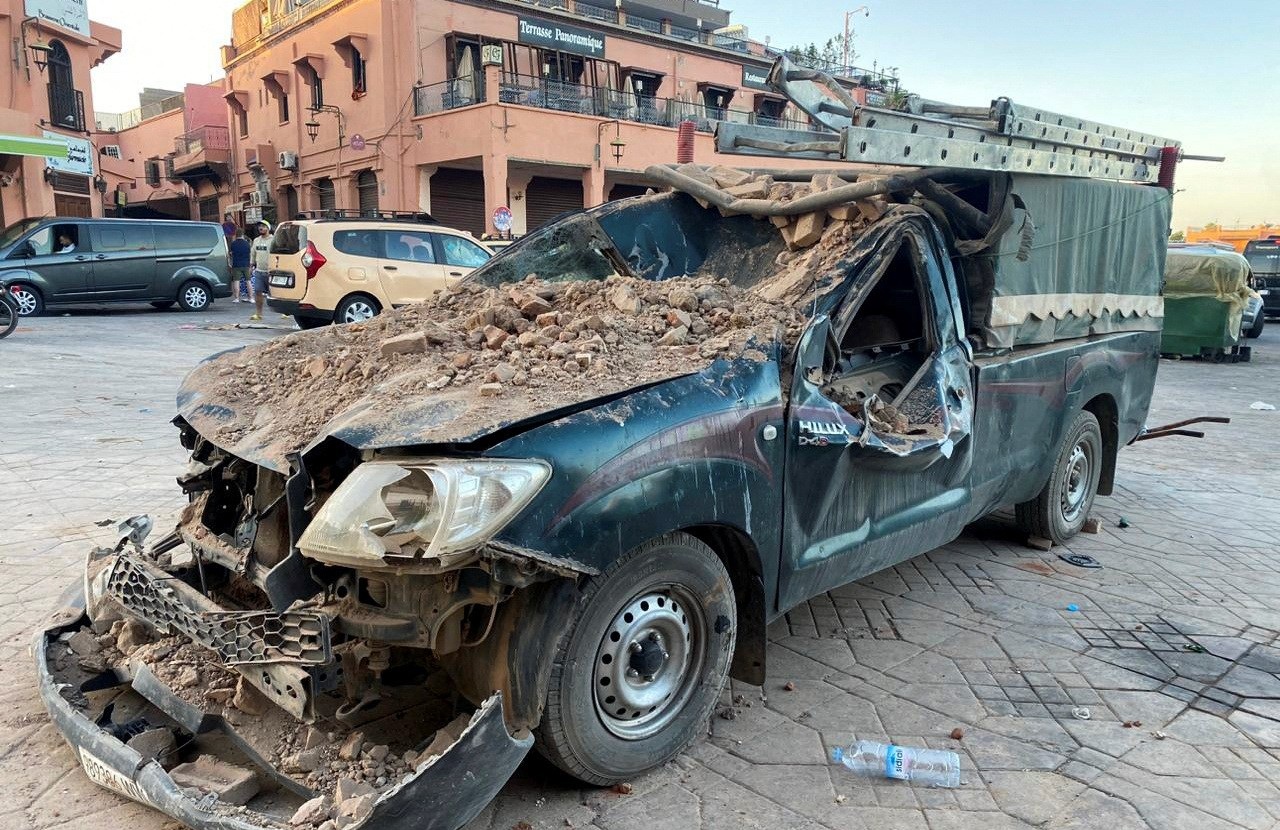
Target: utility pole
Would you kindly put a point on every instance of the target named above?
(848, 30)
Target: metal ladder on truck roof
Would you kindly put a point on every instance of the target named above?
(1003, 137)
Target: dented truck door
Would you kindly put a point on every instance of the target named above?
(879, 422)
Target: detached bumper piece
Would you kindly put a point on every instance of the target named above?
(134, 736)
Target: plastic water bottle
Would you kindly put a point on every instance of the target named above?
(931, 767)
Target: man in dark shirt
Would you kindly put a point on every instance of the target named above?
(239, 253)
(228, 227)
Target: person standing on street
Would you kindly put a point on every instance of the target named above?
(261, 262)
(240, 253)
(229, 228)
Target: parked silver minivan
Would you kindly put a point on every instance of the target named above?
(65, 261)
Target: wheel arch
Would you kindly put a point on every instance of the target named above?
(741, 559)
(1104, 408)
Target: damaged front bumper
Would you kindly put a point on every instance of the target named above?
(98, 712)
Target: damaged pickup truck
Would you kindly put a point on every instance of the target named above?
(559, 505)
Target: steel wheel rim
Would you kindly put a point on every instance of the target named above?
(1076, 481)
(358, 312)
(648, 662)
(25, 299)
(195, 296)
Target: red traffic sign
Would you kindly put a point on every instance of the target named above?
(502, 218)
(357, 142)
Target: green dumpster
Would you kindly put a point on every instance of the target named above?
(1206, 289)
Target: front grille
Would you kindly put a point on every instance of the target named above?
(237, 637)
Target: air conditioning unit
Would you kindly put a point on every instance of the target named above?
(111, 150)
(288, 161)
(258, 199)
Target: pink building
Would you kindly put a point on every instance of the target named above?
(458, 107)
(48, 161)
(170, 157)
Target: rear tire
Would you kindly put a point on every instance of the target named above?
(634, 679)
(1062, 507)
(28, 299)
(305, 323)
(356, 309)
(1255, 330)
(194, 296)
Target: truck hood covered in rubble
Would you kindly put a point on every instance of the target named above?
(669, 290)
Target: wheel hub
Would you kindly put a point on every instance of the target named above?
(1075, 490)
(646, 664)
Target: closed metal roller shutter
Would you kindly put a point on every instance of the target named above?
(367, 192)
(626, 191)
(325, 195)
(457, 199)
(545, 199)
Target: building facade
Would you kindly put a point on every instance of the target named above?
(1235, 237)
(48, 157)
(169, 158)
(460, 107)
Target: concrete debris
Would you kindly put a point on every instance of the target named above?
(248, 699)
(312, 813)
(350, 749)
(1039, 543)
(130, 636)
(1092, 525)
(231, 784)
(414, 342)
(155, 744)
(308, 760)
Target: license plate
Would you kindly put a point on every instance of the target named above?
(281, 280)
(1263, 292)
(103, 775)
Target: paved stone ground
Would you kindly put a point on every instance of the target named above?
(1179, 631)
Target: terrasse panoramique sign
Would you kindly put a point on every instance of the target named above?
(564, 38)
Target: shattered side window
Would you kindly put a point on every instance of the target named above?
(574, 249)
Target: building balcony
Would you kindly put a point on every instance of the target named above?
(204, 153)
(66, 108)
(541, 93)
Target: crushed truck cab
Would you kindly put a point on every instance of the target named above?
(560, 503)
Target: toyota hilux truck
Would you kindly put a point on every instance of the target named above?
(559, 505)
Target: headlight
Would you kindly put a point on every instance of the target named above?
(413, 510)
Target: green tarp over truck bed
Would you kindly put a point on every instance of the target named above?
(1077, 257)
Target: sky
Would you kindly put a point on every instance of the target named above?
(1207, 74)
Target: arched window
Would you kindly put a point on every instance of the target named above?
(367, 192)
(66, 103)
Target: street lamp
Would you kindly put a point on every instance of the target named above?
(313, 126)
(848, 32)
(617, 145)
(40, 52)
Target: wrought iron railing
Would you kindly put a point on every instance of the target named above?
(66, 107)
(601, 102)
(203, 138)
(448, 95)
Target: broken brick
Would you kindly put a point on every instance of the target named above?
(415, 342)
(230, 783)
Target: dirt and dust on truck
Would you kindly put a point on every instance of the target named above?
(558, 505)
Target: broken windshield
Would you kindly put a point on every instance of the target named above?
(576, 248)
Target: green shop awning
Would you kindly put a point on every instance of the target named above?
(29, 145)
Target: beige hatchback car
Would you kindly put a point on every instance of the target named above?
(341, 269)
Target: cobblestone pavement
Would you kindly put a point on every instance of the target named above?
(1174, 648)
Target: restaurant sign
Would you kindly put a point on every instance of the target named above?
(753, 78)
(552, 35)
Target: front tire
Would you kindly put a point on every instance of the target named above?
(28, 299)
(639, 670)
(1255, 331)
(194, 296)
(1062, 507)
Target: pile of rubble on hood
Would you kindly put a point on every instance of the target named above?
(497, 354)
